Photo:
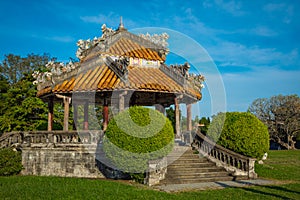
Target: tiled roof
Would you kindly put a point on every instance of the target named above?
(102, 78)
(145, 72)
(127, 48)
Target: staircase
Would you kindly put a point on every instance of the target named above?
(187, 166)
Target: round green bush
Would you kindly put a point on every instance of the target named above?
(240, 132)
(10, 162)
(135, 136)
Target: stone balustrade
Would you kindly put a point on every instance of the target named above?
(233, 162)
(28, 138)
(11, 138)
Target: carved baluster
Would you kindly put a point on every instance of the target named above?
(236, 162)
(230, 160)
(227, 159)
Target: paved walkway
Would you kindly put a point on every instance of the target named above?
(212, 185)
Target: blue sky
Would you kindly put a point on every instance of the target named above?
(254, 44)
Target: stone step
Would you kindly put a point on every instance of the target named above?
(196, 175)
(187, 161)
(184, 156)
(195, 180)
(186, 166)
(192, 165)
(195, 170)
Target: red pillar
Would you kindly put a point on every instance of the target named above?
(177, 118)
(50, 114)
(66, 112)
(86, 116)
(105, 116)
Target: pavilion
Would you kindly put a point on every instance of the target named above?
(118, 70)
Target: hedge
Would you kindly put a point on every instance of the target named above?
(135, 136)
(10, 162)
(240, 132)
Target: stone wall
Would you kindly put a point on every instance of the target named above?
(157, 170)
(76, 161)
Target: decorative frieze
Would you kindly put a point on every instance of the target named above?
(157, 39)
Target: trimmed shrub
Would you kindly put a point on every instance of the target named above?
(135, 136)
(10, 162)
(240, 132)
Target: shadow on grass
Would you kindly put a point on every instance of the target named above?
(259, 189)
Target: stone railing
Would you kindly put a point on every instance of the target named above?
(11, 138)
(29, 138)
(235, 163)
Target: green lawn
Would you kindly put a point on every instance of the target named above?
(281, 165)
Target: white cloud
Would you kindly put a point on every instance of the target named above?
(286, 11)
(243, 88)
(251, 56)
(63, 39)
(263, 31)
(232, 7)
(111, 19)
(271, 7)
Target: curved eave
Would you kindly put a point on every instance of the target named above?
(102, 78)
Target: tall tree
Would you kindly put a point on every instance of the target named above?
(20, 108)
(14, 67)
(204, 124)
(170, 112)
(281, 114)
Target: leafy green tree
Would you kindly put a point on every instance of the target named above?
(170, 112)
(281, 114)
(20, 108)
(204, 124)
(14, 67)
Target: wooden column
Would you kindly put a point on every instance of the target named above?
(160, 108)
(66, 112)
(122, 101)
(50, 114)
(105, 115)
(177, 118)
(189, 117)
(75, 116)
(86, 116)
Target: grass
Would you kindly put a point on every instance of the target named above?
(281, 165)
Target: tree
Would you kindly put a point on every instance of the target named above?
(14, 67)
(281, 114)
(20, 109)
(204, 122)
(171, 116)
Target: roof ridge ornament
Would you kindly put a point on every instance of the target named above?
(121, 25)
(156, 38)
